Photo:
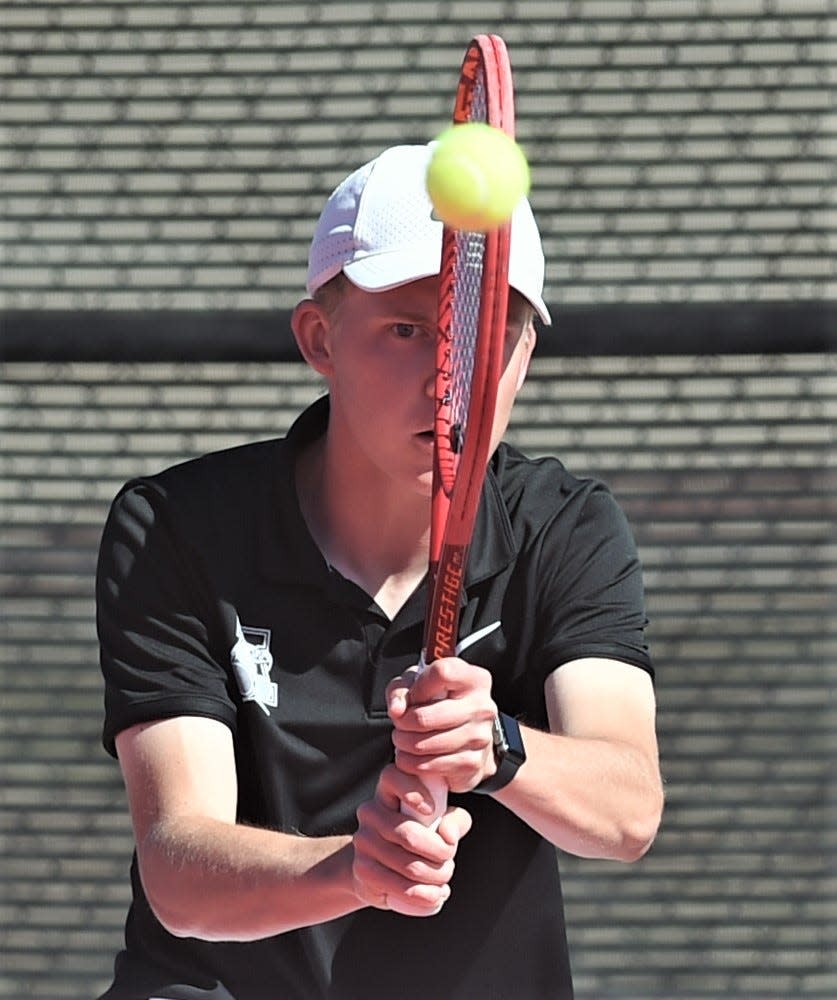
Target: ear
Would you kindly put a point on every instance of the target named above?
(531, 338)
(311, 325)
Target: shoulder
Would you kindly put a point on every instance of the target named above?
(538, 492)
(520, 475)
(230, 480)
(221, 467)
(205, 503)
(223, 477)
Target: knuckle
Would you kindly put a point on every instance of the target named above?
(419, 872)
(406, 766)
(423, 716)
(410, 835)
(483, 677)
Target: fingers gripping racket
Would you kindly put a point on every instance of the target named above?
(473, 300)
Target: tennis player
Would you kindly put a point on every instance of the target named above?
(259, 610)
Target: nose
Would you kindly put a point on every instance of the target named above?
(429, 363)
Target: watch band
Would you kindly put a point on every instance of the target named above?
(509, 753)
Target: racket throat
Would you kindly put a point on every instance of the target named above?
(443, 617)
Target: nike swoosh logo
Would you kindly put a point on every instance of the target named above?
(475, 637)
(465, 643)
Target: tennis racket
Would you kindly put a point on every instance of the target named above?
(473, 300)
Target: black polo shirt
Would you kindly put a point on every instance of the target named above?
(213, 600)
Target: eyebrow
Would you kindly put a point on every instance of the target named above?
(409, 315)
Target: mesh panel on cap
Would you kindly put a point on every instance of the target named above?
(378, 226)
(396, 185)
(333, 242)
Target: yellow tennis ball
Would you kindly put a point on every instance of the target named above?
(476, 176)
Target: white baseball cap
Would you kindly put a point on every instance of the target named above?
(378, 228)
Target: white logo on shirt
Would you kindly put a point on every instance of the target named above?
(469, 640)
(252, 662)
(465, 643)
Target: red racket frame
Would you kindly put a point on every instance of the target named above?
(458, 477)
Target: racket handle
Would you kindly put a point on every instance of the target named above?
(438, 788)
(435, 784)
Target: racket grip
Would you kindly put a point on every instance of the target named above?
(435, 784)
(438, 788)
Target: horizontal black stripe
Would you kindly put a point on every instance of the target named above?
(242, 335)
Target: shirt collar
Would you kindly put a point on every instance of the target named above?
(289, 553)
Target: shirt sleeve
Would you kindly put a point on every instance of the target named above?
(591, 589)
(156, 619)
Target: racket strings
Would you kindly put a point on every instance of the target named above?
(464, 329)
(467, 290)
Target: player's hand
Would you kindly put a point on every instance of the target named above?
(398, 863)
(443, 718)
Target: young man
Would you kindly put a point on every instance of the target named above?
(259, 611)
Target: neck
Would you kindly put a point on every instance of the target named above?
(366, 528)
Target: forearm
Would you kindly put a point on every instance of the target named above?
(591, 785)
(594, 798)
(210, 879)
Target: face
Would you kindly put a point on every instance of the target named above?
(377, 353)
(519, 344)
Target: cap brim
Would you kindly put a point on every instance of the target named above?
(535, 301)
(378, 272)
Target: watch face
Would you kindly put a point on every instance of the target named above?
(512, 742)
(509, 754)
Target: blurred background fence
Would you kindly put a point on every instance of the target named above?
(161, 168)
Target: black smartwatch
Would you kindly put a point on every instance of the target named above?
(509, 753)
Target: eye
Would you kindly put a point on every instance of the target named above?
(405, 331)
